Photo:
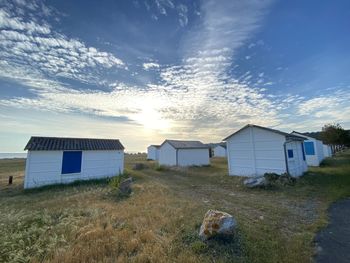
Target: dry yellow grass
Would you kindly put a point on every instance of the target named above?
(159, 222)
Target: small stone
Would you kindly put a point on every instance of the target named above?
(125, 186)
(217, 223)
(261, 217)
(255, 182)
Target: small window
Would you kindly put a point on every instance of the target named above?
(309, 148)
(71, 162)
(290, 154)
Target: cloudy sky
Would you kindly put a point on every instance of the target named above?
(146, 70)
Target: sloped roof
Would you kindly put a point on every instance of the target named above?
(222, 144)
(285, 134)
(60, 143)
(303, 135)
(178, 144)
(154, 145)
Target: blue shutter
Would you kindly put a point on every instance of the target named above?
(71, 162)
(309, 148)
(290, 154)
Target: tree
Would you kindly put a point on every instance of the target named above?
(334, 134)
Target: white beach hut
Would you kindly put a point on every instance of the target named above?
(313, 149)
(183, 153)
(52, 160)
(327, 150)
(220, 150)
(254, 150)
(153, 152)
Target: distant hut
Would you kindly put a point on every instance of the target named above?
(52, 160)
(153, 152)
(220, 150)
(183, 153)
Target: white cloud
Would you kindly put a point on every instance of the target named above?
(197, 98)
(28, 46)
(150, 65)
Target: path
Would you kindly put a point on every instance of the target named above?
(333, 242)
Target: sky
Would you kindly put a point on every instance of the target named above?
(146, 70)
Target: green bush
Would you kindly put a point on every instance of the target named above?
(116, 184)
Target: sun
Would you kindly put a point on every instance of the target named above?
(150, 117)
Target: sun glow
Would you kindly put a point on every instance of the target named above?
(149, 115)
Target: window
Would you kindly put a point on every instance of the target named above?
(309, 148)
(71, 162)
(302, 149)
(290, 154)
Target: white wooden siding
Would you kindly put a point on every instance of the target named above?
(296, 165)
(45, 167)
(254, 152)
(167, 155)
(188, 157)
(327, 150)
(316, 159)
(219, 151)
(152, 153)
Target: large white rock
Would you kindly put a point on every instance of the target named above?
(217, 222)
(255, 182)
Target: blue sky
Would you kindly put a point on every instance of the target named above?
(143, 71)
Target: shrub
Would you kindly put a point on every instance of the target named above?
(273, 179)
(116, 184)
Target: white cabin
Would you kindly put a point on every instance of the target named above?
(153, 152)
(52, 160)
(313, 149)
(327, 150)
(220, 150)
(254, 150)
(183, 153)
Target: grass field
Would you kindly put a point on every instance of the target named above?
(159, 222)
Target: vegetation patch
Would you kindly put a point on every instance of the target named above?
(274, 180)
(160, 223)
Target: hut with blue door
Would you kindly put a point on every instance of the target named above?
(57, 160)
(255, 150)
(313, 149)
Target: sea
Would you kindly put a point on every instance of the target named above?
(12, 155)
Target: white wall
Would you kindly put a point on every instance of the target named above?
(152, 153)
(316, 159)
(296, 165)
(167, 155)
(219, 151)
(44, 167)
(255, 151)
(327, 150)
(188, 157)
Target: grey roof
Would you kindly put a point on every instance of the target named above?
(302, 135)
(58, 144)
(213, 145)
(222, 144)
(285, 134)
(177, 144)
(154, 145)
